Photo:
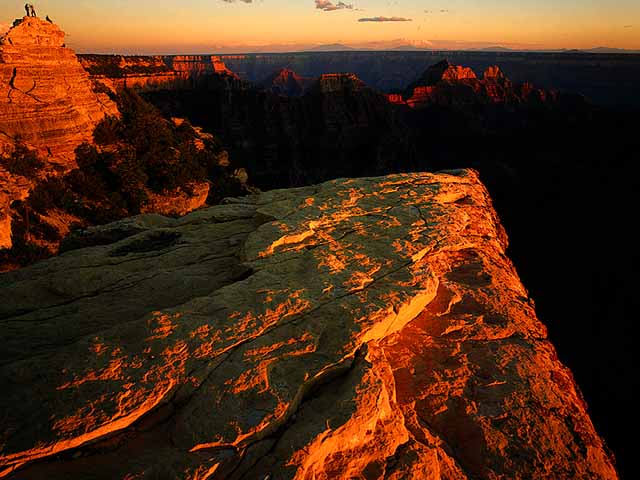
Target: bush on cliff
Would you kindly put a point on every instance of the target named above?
(134, 155)
(22, 161)
(148, 145)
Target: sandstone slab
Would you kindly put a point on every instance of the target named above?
(370, 328)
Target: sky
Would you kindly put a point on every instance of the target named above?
(219, 26)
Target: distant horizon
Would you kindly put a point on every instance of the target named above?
(594, 51)
(273, 26)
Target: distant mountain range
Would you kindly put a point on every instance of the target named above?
(425, 46)
(331, 47)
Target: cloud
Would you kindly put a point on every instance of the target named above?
(234, 1)
(329, 6)
(385, 19)
(628, 26)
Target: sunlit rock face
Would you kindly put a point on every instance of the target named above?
(445, 84)
(339, 83)
(370, 328)
(286, 82)
(197, 65)
(149, 73)
(12, 187)
(46, 100)
(142, 73)
(46, 97)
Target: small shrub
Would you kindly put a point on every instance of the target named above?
(23, 161)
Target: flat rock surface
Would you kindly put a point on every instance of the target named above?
(368, 328)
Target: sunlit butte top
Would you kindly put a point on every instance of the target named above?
(191, 26)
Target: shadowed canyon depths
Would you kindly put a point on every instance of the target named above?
(368, 327)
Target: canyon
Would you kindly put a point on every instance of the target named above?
(370, 327)
(605, 79)
(413, 315)
(543, 160)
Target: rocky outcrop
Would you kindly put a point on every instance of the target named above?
(286, 82)
(46, 101)
(46, 97)
(339, 83)
(445, 72)
(445, 84)
(198, 65)
(149, 73)
(178, 202)
(141, 73)
(369, 327)
(12, 187)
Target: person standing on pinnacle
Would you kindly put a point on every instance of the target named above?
(26, 7)
(33, 11)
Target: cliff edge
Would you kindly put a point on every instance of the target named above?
(46, 97)
(370, 328)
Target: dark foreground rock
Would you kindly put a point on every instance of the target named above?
(369, 328)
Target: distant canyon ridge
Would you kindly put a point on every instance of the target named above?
(604, 78)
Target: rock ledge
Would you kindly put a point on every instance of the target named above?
(359, 328)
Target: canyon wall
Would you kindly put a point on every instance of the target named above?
(445, 84)
(370, 327)
(137, 72)
(148, 73)
(606, 79)
(46, 101)
(46, 97)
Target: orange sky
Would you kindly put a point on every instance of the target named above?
(167, 26)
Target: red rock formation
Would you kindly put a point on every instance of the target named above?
(177, 202)
(45, 95)
(339, 82)
(494, 73)
(396, 98)
(12, 188)
(137, 72)
(448, 85)
(197, 65)
(46, 100)
(369, 328)
(445, 72)
(286, 82)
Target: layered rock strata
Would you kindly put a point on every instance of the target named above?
(369, 328)
(197, 65)
(445, 84)
(46, 101)
(46, 97)
(149, 73)
(141, 73)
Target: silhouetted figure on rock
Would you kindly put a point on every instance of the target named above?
(31, 11)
